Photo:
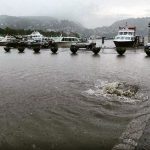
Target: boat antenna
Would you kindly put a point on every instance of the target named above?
(126, 24)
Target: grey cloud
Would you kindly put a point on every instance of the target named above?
(90, 13)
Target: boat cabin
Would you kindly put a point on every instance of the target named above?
(36, 36)
(69, 39)
(126, 33)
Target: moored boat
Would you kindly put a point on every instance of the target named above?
(6, 40)
(38, 38)
(127, 37)
(65, 42)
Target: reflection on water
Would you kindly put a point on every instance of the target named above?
(67, 101)
(96, 55)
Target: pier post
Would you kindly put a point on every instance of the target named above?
(120, 50)
(21, 49)
(149, 33)
(7, 49)
(147, 47)
(74, 49)
(36, 49)
(96, 50)
(103, 40)
(54, 47)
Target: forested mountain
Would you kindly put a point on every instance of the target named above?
(52, 24)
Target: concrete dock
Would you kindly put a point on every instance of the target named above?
(144, 142)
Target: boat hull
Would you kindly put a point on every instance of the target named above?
(124, 43)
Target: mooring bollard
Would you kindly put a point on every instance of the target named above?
(7, 49)
(36, 49)
(147, 50)
(54, 48)
(103, 40)
(21, 49)
(74, 49)
(91, 46)
(120, 50)
(96, 50)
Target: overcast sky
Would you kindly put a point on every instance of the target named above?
(90, 13)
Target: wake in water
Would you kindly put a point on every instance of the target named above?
(119, 90)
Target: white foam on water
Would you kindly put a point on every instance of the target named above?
(120, 91)
(90, 92)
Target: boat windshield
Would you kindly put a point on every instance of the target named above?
(117, 38)
(125, 33)
(69, 39)
(130, 33)
(120, 33)
(123, 38)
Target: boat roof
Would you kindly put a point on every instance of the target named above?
(35, 33)
(126, 30)
(61, 37)
(69, 37)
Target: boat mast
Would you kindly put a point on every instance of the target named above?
(126, 25)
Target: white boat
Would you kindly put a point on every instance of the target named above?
(66, 41)
(6, 40)
(126, 37)
(37, 37)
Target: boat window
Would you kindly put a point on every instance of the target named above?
(72, 39)
(117, 37)
(125, 33)
(69, 39)
(130, 33)
(64, 39)
(127, 38)
(122, 38)
(120, 33)
(132, 38)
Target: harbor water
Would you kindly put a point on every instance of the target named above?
(73, 102)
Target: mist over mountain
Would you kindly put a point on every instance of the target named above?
(39, 23)
(141, 25)
(52, 24)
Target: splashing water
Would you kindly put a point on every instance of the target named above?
(121, 90)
